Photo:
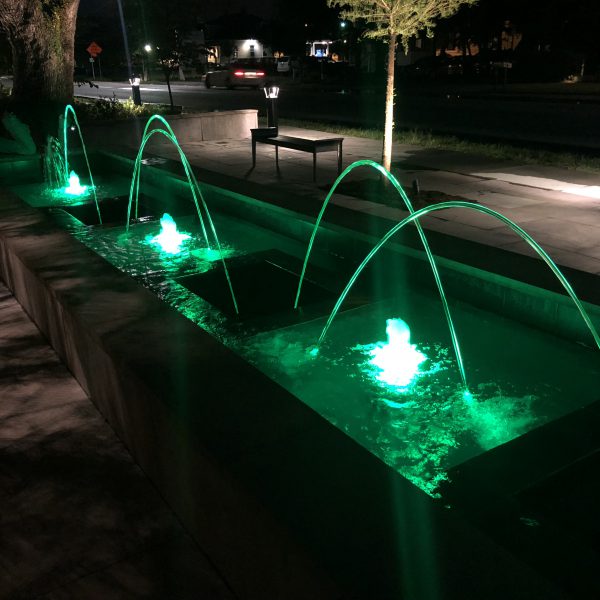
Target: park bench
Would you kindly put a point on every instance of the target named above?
(270, 136)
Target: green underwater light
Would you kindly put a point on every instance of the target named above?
(169, 239)
(397, 359)
(75, 188)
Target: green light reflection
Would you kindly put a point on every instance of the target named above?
(418, 423)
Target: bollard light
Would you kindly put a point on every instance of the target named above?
(271, 92)
(135, 90)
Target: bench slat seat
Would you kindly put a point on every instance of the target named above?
(315, 146)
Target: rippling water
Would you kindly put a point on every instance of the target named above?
(520, 378)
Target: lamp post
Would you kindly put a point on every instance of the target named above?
(146, 64)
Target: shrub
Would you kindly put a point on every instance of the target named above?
(113, 108)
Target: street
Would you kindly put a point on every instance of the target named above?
(552, 122)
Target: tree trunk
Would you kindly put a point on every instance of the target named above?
(388, 129)
(41, 35)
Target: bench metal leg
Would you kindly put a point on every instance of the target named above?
(277, 157)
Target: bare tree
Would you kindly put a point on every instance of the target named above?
(391, 20)
(41, 37)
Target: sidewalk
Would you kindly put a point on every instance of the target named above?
(560, 208)
(78, 518)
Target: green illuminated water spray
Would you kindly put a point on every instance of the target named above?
(54, 167)
(67, 175)
(169, 239)
(397, 359)
(75, 188)
(192, 182)
(428, 252)
(482, 209)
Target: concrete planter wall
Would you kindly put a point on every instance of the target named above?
(193, 127)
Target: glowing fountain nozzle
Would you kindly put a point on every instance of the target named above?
(169, 239)
(398, 359)
(75, 188)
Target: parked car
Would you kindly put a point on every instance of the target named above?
(288, 64)
(429, 68)
(235, 75)
(283, 64)
(445, 67)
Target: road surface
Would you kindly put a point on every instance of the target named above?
(544, 121)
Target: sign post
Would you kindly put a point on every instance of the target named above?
(93, 50)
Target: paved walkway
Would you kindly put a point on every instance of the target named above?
(560, 208)
(78, 519)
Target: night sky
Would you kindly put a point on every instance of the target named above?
(261, 8)
(212, 9)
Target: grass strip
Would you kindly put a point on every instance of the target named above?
(498, 151)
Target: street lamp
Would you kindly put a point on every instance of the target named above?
(146, 64)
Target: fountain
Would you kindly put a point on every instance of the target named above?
(71, 179)
(479, 208)
(167, 132)
(54, 166)
(430, 257)
(391, 373)
(248, 412)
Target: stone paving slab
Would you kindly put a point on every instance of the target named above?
(78, 518)
(175, 569)
(558, 220)
(587, 263)
(531, 195)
